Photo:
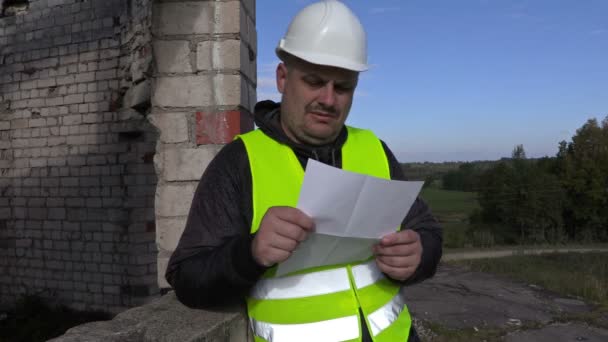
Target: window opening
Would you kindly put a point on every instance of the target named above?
(13, 7)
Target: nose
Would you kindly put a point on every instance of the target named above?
(327, 94)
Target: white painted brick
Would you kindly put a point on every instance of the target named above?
(92, 118)
(90, 97)
(183, 18)
(45, 83)
(54, 141)
(88, 56)
(109, 53)
(172, 56)
(186, 91)
(85, 77)
(218, 55)
(74, 98)
(37, 122)
(64, 60)
(39, 162)
(63, 80)
(228, 17)
(173, 127)
(227, 90)
(54, 101)
(108, 64)
(105, 75)
(248, 66)
(187, 164)
(72, 120)
(72, 68)
(174, 200)
(76, 140)
(162, 262)
(252, 97)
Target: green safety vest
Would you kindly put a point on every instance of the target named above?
(319, 304)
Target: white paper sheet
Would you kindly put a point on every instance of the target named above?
(351, 213)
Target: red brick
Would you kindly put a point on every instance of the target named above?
(221, 127)
(148, 158)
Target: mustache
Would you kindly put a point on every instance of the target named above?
(321, 108)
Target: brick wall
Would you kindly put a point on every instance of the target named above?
(110, 111)
(77, 178)
(203, 94)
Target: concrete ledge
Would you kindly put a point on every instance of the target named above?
(167, 320)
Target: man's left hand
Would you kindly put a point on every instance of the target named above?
(398, 254)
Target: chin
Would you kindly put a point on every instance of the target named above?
(322, 138)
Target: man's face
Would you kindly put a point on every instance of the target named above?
(316, 100)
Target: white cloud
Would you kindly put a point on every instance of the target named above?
(599, 31)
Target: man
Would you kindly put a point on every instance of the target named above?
(242, 222)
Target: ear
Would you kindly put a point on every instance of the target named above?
(281, 77)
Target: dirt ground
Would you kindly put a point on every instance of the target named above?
(461, 305)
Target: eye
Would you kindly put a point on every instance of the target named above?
(314, 82)
(344, 88)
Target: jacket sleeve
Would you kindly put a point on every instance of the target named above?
(420, 219)
(212, 264)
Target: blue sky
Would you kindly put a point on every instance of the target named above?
(468, 79)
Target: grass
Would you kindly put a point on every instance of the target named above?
(452, 209)
(34, 320)
(446, 202)
(580, 275)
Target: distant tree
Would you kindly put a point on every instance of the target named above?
(518, 152)
(465, 178)
(522, 201)
(583, 171)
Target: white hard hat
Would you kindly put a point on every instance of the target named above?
(326, 33)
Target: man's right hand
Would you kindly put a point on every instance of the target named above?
(280, 232)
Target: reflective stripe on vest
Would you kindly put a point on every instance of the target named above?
(319, 304)
(340, 329)
(317, 283)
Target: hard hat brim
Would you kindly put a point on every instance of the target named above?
(320, 59)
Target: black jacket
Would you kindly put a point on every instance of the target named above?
(213, 265)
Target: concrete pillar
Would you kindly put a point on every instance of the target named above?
(203, 94)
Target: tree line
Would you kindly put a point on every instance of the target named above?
(548, 200)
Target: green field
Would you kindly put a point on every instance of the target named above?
(452, 209)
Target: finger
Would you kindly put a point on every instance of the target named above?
(291, 231)
(399, 261)
(278, 255)
(296, 216)
(283, 243)
(396, 250)
(398, 273)
(401, 237)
